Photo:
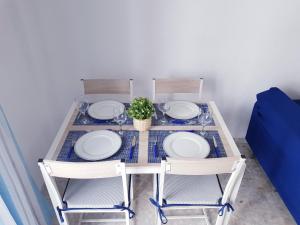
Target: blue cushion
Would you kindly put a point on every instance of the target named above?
(280, 164)
(274, 136)
(297, 101)
(280, 116)
(276, 101)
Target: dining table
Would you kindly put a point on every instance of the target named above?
(143, 160)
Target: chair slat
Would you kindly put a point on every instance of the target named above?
(201, 167)
(107, 86)
(83, 170)
(177, 86)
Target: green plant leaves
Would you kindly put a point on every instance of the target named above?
(141, 108)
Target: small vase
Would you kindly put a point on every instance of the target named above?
(142, 125)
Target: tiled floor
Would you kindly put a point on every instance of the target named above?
(257, 204)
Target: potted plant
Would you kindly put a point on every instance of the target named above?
(141, 110)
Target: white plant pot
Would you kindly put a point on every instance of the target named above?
(142, 125)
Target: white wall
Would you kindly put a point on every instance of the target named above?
(29, 93)
(241, 47)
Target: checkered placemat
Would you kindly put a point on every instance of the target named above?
(162, 134)
(123, 152)
(92, 121)
(176, 122)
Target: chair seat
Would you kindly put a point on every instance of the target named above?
(94, 193)
(180, 189)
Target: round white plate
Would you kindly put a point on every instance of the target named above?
(97, 145)
(186, 145)
(104, 110)
(182, 110)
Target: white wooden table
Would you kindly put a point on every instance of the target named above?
(142, 166)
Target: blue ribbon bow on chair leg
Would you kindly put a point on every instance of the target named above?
(227, 206)
(161, 213)
(123, 207)
(164, 219)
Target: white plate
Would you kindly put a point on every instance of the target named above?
(104, 110)
(186, 145)
(97, 145)
(182, 110)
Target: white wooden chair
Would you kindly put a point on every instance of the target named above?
(195, 185)
(92, 187)
(177, 86)
(108, 86)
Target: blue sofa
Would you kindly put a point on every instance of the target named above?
(274, 137)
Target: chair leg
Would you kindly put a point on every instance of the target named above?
(66, 220)
(154, 186)
(158, 222)
(131, 187)
(226, 218)
(223, 220)
(127, 219)
(154, 193)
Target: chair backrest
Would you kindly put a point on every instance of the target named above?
(79, 170)
(234, 165)
(176, 86)
(108, 86)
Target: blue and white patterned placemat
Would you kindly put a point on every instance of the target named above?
(162, 134)
(123, 152)
(92, 121)
(176, 122)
